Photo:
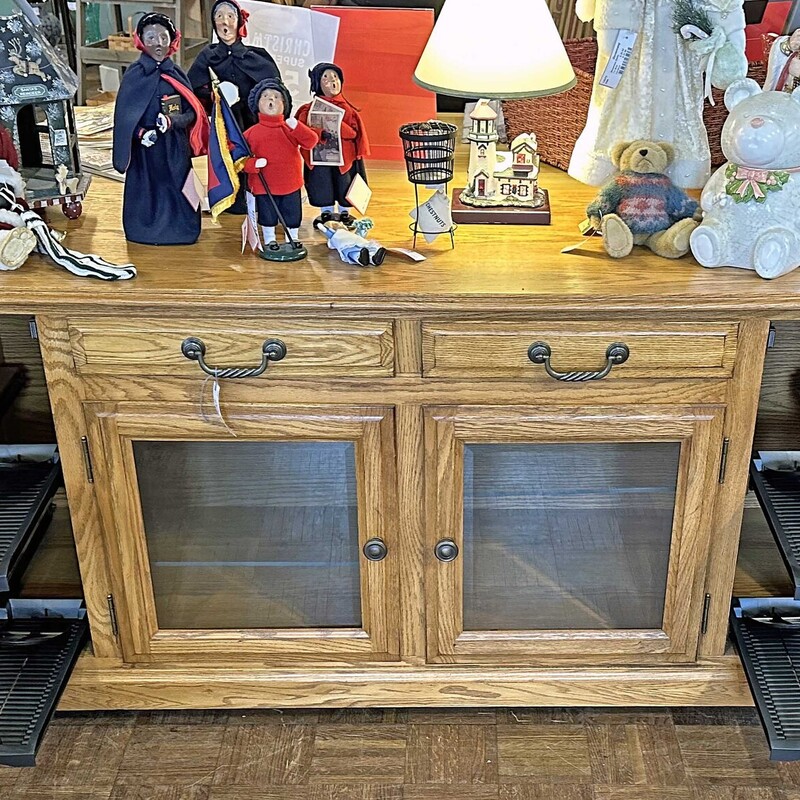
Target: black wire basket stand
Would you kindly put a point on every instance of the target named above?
(429, 150)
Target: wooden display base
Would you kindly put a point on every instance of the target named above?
(500, 215)
(98, 684)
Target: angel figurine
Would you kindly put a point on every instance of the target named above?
(661, 92)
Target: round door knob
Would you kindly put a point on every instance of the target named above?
(446, 550)
(375, 550)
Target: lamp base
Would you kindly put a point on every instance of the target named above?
(500, 215)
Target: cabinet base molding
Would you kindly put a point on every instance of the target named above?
(96, 685)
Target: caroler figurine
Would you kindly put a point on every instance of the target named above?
(238, 66)
(783, 72)
(158, 125)
(275, 172)
(342, 135)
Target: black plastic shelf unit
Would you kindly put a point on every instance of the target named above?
(26, 489)
(778, 494)
(767, 634)
(40, 640)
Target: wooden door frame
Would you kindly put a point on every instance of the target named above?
(114, 427)
(448, 428)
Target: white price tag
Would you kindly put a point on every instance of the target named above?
(433, 217)
(401, 251)
(618, 62)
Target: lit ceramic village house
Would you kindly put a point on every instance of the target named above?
(500, 178)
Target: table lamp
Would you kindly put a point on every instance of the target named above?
(497, 50)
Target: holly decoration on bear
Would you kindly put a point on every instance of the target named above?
(745, 184)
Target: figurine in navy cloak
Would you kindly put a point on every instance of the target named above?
(236, 65)
(232, 60)
(158, 125)
(327, 185)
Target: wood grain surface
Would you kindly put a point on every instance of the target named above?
(502, 268)
(490, 348)
(406, 754)
(698, 430)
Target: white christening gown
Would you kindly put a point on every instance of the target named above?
(661, 93)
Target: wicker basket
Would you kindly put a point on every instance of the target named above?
(559, 120)
(124, 40)
(120, 41)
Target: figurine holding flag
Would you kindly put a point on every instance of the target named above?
(230, 153)
(227, 153)
(238, 66)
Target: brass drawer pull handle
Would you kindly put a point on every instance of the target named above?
(540, 353)
(195, 350)
(446, 550)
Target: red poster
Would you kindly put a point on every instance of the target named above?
(378, 50)
(774, 21)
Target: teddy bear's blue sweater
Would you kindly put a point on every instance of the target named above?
(647, 202)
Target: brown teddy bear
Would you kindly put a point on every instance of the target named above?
(642, 206)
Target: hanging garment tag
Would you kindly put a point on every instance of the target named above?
(433, 216)
(216, 391)
(620, 56)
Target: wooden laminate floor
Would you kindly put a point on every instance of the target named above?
(520, 754)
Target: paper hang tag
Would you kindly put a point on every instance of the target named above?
(191, 192)
(433, 217)
(359, 194)
(250, 231)
(250, 235)
(588, 231)
(401, 251)
(618, 62)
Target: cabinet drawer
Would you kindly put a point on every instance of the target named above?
(500, 349)
(152, 347)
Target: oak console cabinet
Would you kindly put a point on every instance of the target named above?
(503, 476)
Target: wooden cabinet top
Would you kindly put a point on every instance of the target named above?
(500, 269)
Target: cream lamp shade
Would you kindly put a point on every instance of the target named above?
(495, 49)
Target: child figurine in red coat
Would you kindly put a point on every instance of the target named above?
(276, 167)
(328, 185)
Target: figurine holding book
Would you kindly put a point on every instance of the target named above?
(158, 125)
(334, 163)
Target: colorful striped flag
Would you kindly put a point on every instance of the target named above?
(227, 152)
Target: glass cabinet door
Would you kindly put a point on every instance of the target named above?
(268, 537)
(561, 533)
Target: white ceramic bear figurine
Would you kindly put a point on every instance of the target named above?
(751, 204)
